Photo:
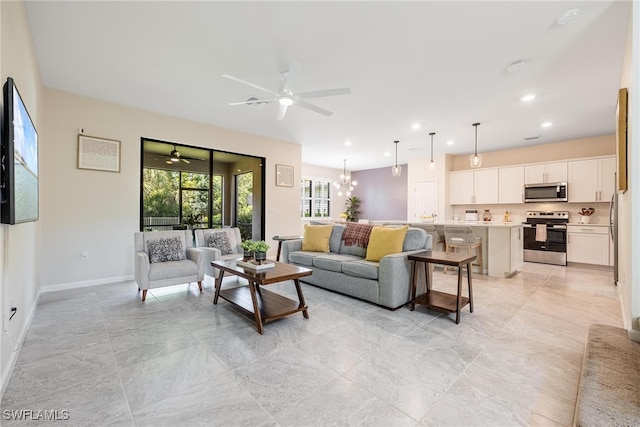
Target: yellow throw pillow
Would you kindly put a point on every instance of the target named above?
(385, 241)
(316, 238)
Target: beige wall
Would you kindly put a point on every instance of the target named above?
(19, 244)
(585, 147)
(98, 212)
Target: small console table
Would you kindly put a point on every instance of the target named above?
(281, 239)
(436, 299)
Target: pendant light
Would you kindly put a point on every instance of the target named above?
(396, 170)
(432, 164)
(476, 159)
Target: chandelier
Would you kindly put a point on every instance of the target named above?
(345, 185)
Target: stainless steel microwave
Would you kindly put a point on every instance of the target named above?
(547, 192)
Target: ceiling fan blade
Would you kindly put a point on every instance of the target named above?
(185, 160)
(320, 93)
(282, 111)
(253, 101)
(305, 104)
(255, 86)
(291, 77)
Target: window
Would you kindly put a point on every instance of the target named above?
(315, 199)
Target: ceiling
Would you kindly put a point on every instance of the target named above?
(442, 64)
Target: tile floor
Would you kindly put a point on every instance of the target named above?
(111, 360)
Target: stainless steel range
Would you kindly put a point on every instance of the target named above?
(545, 237)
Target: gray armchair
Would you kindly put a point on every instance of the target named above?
(218, 243)
(165, 258)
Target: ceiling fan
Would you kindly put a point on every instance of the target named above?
(174, 157)
(285, 96)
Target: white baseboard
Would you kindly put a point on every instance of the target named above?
(86, 283)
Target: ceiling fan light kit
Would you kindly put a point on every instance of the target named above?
(396, 170)
(476, 159)
(286, 97)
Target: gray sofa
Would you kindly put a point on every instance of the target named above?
(344, 269)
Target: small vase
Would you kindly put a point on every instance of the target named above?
(585, 219)
(486, 216)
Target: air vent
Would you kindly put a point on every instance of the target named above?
(257, 103)
(532, 138)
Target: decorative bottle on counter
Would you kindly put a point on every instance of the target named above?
(486, 216)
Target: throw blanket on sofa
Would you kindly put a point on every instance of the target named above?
(357, 234)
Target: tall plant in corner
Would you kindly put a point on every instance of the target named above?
(352, 212)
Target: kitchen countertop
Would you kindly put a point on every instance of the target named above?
(477, 223)
(588, 225)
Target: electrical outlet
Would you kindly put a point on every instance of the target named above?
(84, 255)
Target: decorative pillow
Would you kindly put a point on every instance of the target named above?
(165, 249)
(220, 240)
(385, 241)
(316, 238)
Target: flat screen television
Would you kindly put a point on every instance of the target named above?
(19, 177)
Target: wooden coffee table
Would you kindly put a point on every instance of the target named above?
(264, 305)
(442, 300)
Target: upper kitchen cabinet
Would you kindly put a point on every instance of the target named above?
(592, 180)
(545, 172)
(511, 184)
(472, 187)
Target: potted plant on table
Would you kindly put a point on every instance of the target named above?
(247, 246)
(352, 212)
(260, 249)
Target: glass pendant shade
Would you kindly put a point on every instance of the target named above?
(476, 159)
(396, 170)
(432, 165)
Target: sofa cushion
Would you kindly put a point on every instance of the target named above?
(361, 268)
(172, 269)
(333, 262)
(219, 240)
(165, 249)
(385, 241)
(336, 238)
(415, 239)
(316, 238)
(303, 257)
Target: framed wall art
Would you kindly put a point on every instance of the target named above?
(621, 140)
(284, 176)
(98, 153)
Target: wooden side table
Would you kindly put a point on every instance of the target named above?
(281, 239)
(441, 300)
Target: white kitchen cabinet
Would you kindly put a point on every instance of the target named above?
(505, 250)
(591, 180)
(545, 172)
(511, 183)
(588, 244)
(472, 187)
(461, 188)
(486, 185)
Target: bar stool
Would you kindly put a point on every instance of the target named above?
(462, 237)
(436, 238)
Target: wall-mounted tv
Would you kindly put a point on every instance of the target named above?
(19, 180)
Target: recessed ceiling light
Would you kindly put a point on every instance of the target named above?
(415, 126)
(529, 97)
(450, 142)
(347, 143)
(567, 16)
(546, 124)
(387, 153)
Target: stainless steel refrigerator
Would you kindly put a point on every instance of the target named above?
(613, 232)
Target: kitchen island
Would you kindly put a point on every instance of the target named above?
(502, 243)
